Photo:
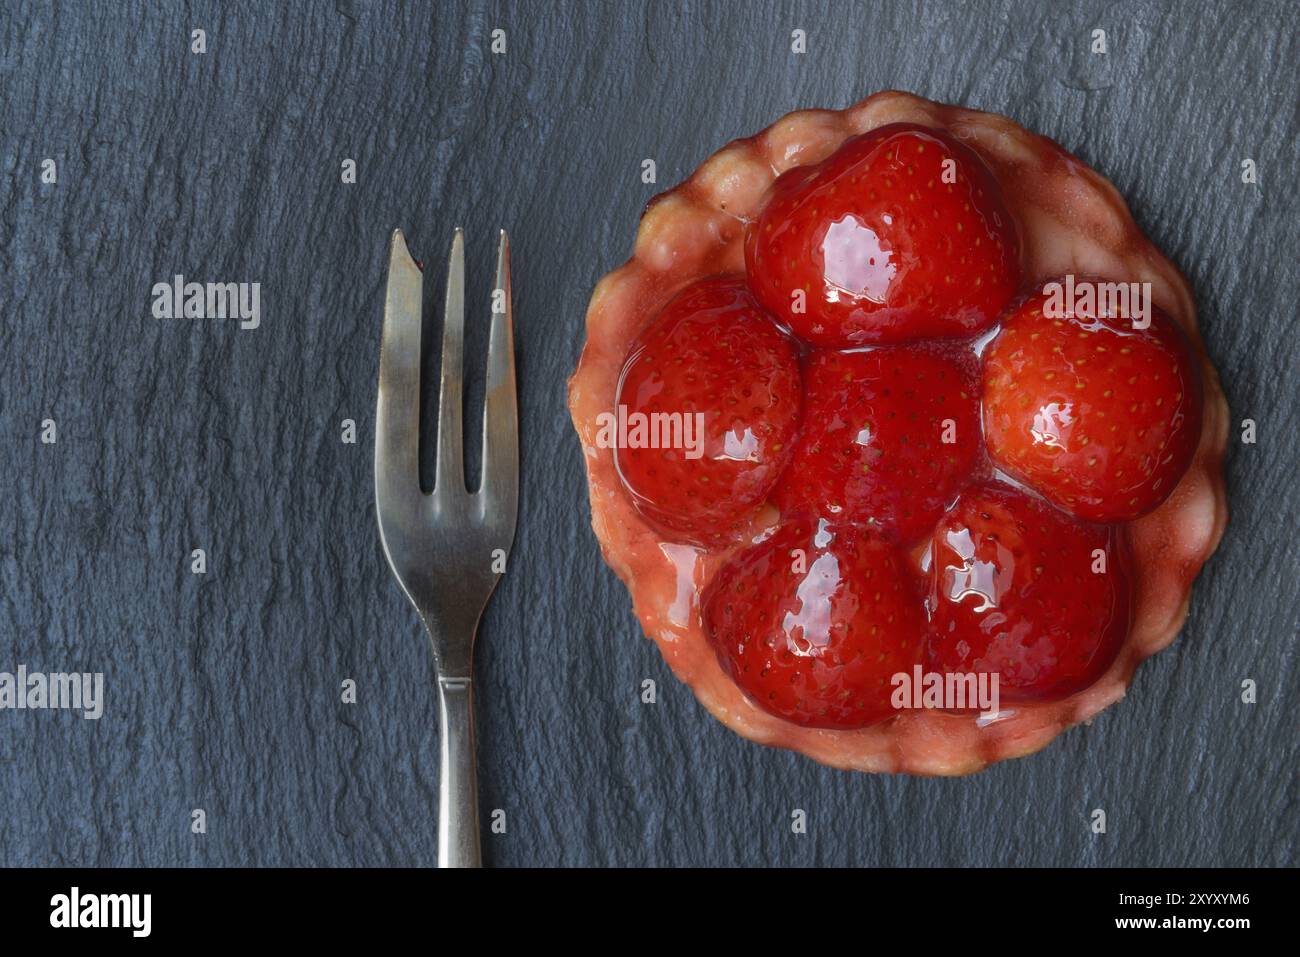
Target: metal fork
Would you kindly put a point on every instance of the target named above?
(447, 548)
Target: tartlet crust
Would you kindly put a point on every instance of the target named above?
(1072, 220)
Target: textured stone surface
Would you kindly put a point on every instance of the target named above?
(223, 690)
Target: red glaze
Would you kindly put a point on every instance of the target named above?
(711, 350)
(1099, 417)
(1069, 219)
(1014, 591)
(883, 249)
(872, 449)
(813, 622)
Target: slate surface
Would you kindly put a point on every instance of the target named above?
(223, 689)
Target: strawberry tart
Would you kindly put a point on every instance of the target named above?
(892, 403)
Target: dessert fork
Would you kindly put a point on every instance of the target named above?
(447, 548)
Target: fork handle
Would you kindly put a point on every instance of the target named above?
(458, 837)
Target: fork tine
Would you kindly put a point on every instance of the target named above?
(397, 414)
(450, 476)
(500, 485)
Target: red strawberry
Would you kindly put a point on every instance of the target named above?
(889, 437)
(1099, 417)
(813, 622)
(1018, 589)
(900, 234)
(712, 351)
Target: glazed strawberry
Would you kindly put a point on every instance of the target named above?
(708, 409)
(1021, 590)
(890, 436)
(900, 234)
(1098, 416)
(813, 623)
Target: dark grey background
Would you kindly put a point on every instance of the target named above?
(223, 690)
